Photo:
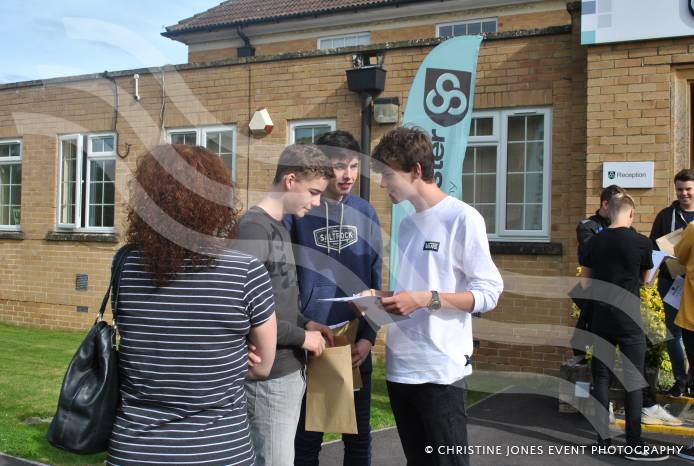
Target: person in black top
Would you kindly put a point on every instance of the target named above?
(585, 231)
(671, 218)
(652, 412)
(617, 262)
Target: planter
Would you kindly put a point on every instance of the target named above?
(575, 371)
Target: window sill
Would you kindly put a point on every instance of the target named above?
(83, 237)
(526, 249)
(12, 234)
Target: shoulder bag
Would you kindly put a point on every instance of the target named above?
(90, 394)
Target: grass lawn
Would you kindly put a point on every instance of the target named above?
(33, 363)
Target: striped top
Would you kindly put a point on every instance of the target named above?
(183, 362)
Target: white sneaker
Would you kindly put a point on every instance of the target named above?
(657, 415)
(612, 418)
(687, 453)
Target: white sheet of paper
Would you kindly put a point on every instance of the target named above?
(674, 294)
(372, 309)
(340, 300)
(658, 258)
(333, 327)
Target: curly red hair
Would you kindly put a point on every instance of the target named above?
(181, 201)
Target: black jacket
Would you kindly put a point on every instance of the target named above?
(668, 220)
(586, 229)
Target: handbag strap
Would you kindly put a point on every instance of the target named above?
(116, 268)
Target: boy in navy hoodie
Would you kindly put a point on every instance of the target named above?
(338, 250)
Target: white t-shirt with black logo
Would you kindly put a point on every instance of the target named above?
(443, 248)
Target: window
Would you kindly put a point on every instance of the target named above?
(466, 28)
(10, 184)
(346, 40)
(506, 172)
(306, 131)
(87, 182)
(220, 140)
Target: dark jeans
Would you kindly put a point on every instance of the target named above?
(307, 445)
(688, 338)
(633, 349)
(674, 344)
(430, 416)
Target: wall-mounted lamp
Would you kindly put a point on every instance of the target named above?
(368, 79)
(387, 110)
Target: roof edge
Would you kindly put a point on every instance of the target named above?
(275, 19)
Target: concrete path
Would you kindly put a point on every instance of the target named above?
(529, 423)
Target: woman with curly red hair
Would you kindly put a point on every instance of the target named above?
(188, 307)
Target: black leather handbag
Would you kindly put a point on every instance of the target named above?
(90, 393)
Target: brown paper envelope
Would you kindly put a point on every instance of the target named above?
(329, 394)
(675, 268)
(349, 330)
(667, 244)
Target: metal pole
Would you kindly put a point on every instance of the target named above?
(365, 170)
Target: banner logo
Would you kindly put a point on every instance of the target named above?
(691, 6)
(611, 174)
(446, 95)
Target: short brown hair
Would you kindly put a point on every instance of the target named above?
(404, 148)
(620, 202)
(684, 175)
(609, 192)
(338, 145)
(304, 161)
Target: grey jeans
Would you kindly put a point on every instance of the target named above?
(274, 406)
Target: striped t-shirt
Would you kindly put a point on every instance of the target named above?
(183, 362)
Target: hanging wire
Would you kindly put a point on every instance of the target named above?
(163, 106)
(115, 116)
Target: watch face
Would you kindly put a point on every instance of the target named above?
(435, 303)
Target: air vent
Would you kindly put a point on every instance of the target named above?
(81, 282)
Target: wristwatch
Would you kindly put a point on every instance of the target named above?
(435, 303)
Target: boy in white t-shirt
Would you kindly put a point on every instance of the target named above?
(446, 273)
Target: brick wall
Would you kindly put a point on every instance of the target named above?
(630, 108)
(538, 72)
(36, 286)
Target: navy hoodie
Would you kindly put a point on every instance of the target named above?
(338, 250)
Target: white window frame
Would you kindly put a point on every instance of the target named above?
(201, 139)
(171, 132)
(494, 137)
(500, 140)
(294, 124)
(12, 161)
(80, 180)
(91, 155)
(321, 40)
(467, 21)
